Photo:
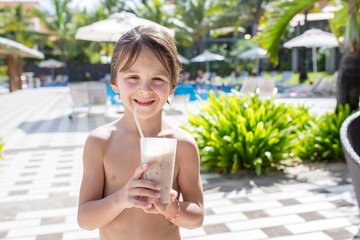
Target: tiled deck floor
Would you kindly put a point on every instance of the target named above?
(41, 172)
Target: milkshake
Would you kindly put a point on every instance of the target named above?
(159, 155)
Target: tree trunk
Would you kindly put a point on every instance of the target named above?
(348, 84)
(10, 61)
(302, 53)
(19, 69)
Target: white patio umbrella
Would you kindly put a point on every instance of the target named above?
(207, 57)
(183, 59)
(256, 53)
(111, 29)
(10, 47)
(13, 48)
(51, 63)
(313, 38)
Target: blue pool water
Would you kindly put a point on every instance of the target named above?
(195, 91)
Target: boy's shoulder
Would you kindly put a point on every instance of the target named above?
(183, 137)
(102, 133)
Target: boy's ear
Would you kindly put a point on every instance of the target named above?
(115, 87)
(172, 89)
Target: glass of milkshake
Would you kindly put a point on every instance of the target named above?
(159, 155)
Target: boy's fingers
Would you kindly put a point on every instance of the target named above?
(140, 204)
(142, 183)
(142, 192)
(139, 171)
(173, 194)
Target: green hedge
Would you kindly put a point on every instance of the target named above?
(320, 139)
(244, 132)
(1, 148)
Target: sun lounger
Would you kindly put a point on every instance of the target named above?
(249, 85)
(177, 104)
(286, 75)
(266, 87)
(97, 95)
(310, 90)
(89, 95)
(79, 96)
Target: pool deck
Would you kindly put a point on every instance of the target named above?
(41, 171)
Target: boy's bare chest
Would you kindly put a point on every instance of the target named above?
(120, 162)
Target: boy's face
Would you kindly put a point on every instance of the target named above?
(145, 84)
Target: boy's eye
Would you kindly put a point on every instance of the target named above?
(160, 80)
(132, 78)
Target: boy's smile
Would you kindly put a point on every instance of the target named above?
(144, 102)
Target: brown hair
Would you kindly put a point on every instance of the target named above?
(128, 47)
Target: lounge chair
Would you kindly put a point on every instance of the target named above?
(89, 95)
(249, 85)
(286, 75)
(97, 95)
(327, 88)
(79, 96)
(350, 139)
(177, 104)
(266, 87)
(309, 90)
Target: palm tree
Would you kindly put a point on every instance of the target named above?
(15, 24)
(277, 17)
(59, 24)
(202, 16)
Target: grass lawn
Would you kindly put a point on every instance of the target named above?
(295, 77)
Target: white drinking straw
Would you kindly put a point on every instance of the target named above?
(137, 123)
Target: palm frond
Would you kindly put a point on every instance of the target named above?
(275, 20)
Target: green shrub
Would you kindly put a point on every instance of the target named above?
(243, 132)
(1, 148)
(320, 138)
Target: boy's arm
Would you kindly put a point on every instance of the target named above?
(191, 208)
(95, 211)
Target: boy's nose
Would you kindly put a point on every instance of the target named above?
(145, 88)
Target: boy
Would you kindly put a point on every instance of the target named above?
(144, 70)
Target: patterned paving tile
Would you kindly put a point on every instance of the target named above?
(339, 233)
(208, 211)
(255, 214)
(276, 231)
(240, 200)
(342, 203)
(311, 216)
(290, 201)
(52, 220)
(216, 228)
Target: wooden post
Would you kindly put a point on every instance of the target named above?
(10, 61)
(19, 72)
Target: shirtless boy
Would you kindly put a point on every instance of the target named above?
(144, 70)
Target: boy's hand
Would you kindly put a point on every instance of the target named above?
(138, 192)
(158, 207)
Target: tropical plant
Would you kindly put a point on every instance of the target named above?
(243, 132)
(319, 140)
(90, 51)
(60, 24)
(2, 144)
(204, 15)
(277, 17)
(15, 23)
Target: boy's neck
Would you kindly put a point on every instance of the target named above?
(150, 127)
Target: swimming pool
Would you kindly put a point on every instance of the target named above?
(195, 90)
